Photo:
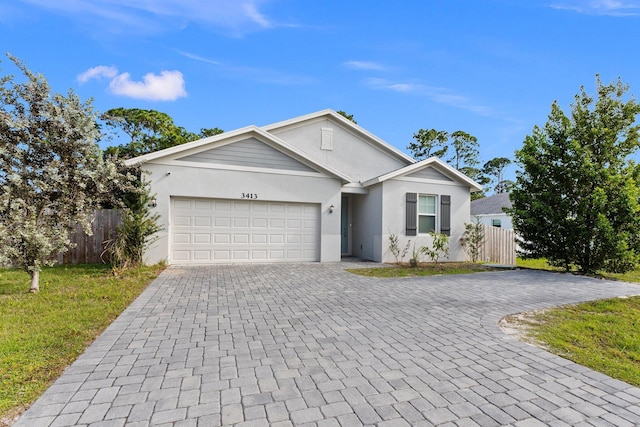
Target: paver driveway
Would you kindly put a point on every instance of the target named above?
(310, 344)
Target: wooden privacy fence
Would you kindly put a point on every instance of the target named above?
(499, 246)
(89, 248)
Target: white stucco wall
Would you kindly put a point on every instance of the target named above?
(394, 215)
(367, 224)
(359, 159)
(171, 179)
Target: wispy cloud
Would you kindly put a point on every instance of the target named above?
(156, 16)
(166, 86)
(265, 75)
(363, 65)
(98, 72)
(600, 7)
(437, 94)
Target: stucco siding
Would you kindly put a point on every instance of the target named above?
(367, 225)
(359, 158)
(394, 215)
(180, 181)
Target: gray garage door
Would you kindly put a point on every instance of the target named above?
(219, 231)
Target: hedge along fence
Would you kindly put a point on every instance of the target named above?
(88, 249)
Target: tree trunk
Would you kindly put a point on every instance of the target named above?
(35, 281)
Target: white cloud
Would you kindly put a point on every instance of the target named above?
(437, 94)
(265, 75)
(600, 7)
(363, 65)
(167, 86)
(156, 16)
(98, 72)
(254, 15)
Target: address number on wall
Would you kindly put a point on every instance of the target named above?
(249, 196)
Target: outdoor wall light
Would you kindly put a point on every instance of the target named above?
(154, 202)
(331, 208)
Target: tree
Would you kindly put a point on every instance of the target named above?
(576, 199)
(52, 172)
(473, 239)
(465, 151)
(139, 226)
(148, 131)
(494, 170)
(429, 143)
(206, 132)
(347, 116)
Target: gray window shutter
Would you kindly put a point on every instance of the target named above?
(412, 214)
(445, 215)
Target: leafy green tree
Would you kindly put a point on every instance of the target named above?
(206, 132)
(52, 172)
(576, 199)
(347, 116)
(148, 131)
(139, 226)
(429, 143)
(494, 171)
(465, 151)
(473, 239)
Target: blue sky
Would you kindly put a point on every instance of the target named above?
(491, 68)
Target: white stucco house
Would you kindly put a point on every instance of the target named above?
(490, 211)
(313, 188)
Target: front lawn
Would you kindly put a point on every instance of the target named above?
(423, 269)
(42, 333)
(602, 335)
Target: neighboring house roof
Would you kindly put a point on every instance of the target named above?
(430, 162)
(491, 205)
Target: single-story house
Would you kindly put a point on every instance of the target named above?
(490, 211)
(312, 188)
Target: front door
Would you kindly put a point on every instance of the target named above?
(344, 224)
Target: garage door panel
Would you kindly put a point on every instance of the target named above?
(202, 256)
(202, 238)
(222, 238)
(181, 221)
(202, 221)
(213, 230)
(222, 221)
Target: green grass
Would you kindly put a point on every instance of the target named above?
(602, 335)
(424, 269)
(42, 333)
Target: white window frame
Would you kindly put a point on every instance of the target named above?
(426, 214)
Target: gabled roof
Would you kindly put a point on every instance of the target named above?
(430, 162)
(348, 124)
(491, 205)
(227, 137)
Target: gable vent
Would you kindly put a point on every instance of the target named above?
(327, 139)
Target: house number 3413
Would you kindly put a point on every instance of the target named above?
(249, 196)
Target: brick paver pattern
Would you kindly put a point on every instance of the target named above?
(312, 345)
